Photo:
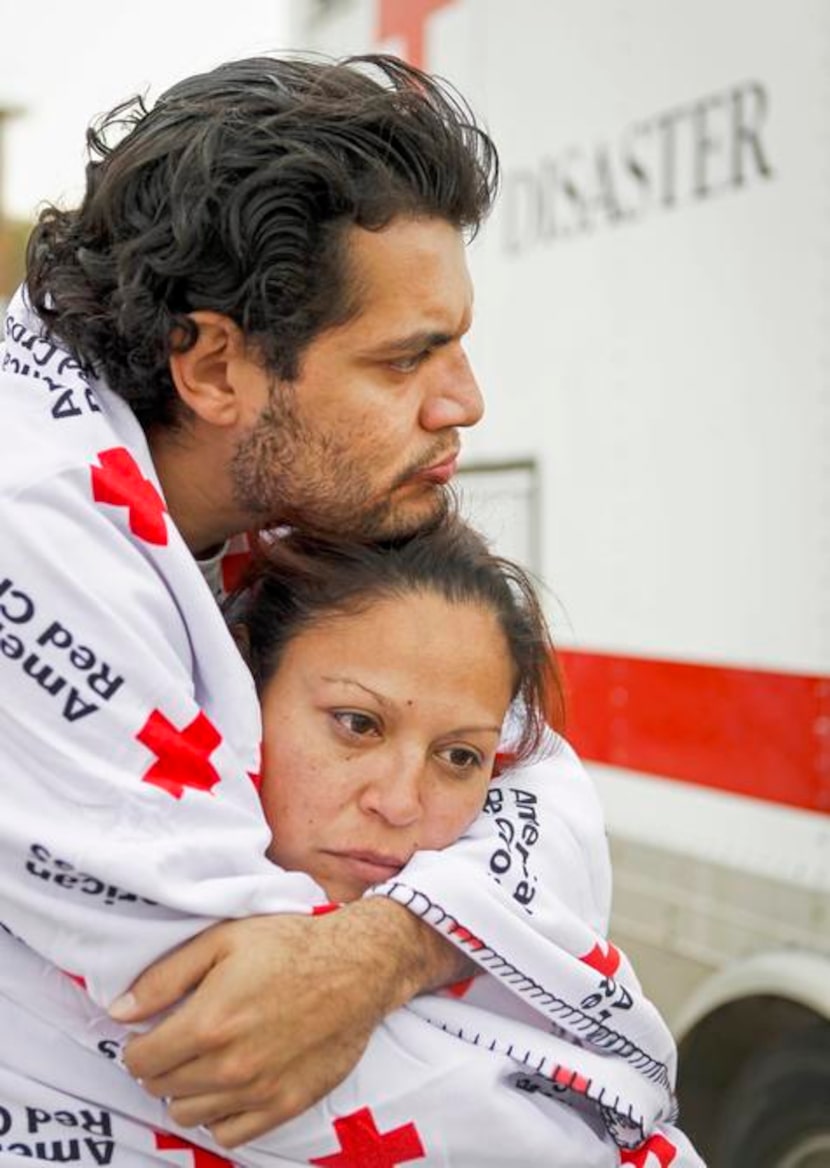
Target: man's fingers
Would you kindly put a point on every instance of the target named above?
(234, 1130)
(225, 1071)
(168, 980)
(199, 1111)
(280, 1011)
(232, 1122)
(150, 1057)
(166, 1051)
(237, 1111)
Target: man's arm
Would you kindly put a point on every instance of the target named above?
(282, 1011)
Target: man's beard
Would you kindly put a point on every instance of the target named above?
(282, 473)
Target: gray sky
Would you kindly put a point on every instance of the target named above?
(66, 62)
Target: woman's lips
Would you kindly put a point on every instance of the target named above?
(370, 867)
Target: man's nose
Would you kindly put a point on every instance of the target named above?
(453, 397)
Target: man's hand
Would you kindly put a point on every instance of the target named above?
(281, 1009)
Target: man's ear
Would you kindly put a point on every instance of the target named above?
(206, 375)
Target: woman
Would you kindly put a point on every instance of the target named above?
(365, 765)
(386, 675)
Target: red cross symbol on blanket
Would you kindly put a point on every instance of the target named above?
(657, 1148)
(182, 755)
(363, 1146)
(256, 776)
(78, 979)
(202, 1158)
(119, 481)
(604, 961)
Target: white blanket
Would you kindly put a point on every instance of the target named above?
(130, 821)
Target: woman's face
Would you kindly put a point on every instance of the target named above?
(381, 728)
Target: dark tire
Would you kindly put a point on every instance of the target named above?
(778, 1113)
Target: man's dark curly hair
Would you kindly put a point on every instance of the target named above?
(233, 194)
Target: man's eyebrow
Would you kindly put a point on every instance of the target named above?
(412, 343)
(343, 680)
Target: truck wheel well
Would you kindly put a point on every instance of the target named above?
(713, 1055)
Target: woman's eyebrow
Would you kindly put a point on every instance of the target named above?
(343, 680)
(476, 730)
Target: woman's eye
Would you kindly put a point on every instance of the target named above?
(462, 758)
(356, 722)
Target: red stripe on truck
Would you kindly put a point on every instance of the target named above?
(749, 731)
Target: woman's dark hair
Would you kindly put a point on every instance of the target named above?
(298, 580)
(232, 194)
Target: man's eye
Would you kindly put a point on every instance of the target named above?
(356, 722)
(462, 758)
(409, 364)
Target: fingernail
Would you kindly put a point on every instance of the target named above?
(123, 1008)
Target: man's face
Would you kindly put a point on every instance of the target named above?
(364, 441)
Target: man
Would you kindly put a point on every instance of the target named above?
(255, 318)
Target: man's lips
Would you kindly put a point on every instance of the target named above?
(439, 472)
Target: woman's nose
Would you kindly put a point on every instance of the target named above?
(395, 794)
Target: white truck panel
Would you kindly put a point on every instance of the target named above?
(672, 367)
